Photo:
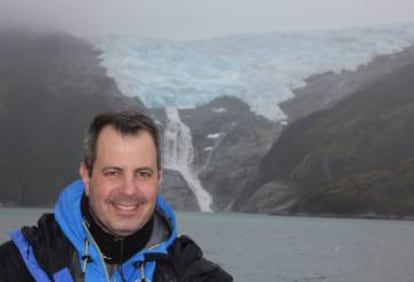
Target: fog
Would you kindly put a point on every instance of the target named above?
(193, 19)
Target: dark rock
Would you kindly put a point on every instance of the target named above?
(242, 138)
(51, 85)
(353, 159)
(175, 190)
(273, 197)
(324, 90)
(229, 141)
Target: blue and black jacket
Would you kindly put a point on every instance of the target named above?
(60, 248)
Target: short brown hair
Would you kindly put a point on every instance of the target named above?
(126, 123)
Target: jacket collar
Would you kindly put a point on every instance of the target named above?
(69, 217)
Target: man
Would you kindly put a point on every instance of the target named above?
(111, 225)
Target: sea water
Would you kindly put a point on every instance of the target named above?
(264, 248)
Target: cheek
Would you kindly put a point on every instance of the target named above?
(152, 196)
(150, 192)
(153, 190)
(98, 195)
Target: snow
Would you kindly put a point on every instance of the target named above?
(260, 69)
(219, 110)
(213, 136)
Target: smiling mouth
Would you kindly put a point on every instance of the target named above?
(122, 208)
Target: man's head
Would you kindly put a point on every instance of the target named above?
(121, 170)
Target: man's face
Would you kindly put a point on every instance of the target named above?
(122, 189)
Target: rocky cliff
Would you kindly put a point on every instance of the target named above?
(347, 149)
(51, 85)
(354, 158)
(326, 89)
(229, 141)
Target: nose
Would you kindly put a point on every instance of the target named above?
(128, 186)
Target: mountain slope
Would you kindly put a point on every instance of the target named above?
(51, 85)
(355, 158)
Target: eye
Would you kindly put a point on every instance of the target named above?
(111, 172)
(144, 174)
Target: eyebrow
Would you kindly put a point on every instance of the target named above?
(111, 168)
(118, 168)
(145, 168)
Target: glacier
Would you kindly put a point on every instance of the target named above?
(260, 69)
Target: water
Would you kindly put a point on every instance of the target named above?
(289, 249)
(179, 156)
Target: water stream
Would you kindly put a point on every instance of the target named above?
(179, 156)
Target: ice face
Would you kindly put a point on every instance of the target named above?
(260, 69)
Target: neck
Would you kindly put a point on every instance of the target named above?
(116, 249)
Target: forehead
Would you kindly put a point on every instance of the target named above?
(111, 140)
(109, 132)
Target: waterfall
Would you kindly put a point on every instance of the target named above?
(179, 156)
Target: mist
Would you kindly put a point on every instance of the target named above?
(189, 19)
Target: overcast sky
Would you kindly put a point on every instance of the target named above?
(192, 19)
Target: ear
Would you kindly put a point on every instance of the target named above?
(84, 174)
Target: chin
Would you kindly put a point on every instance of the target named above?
(124, 231)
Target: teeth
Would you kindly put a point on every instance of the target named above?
(126, 207)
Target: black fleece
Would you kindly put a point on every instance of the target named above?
(184, 263)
